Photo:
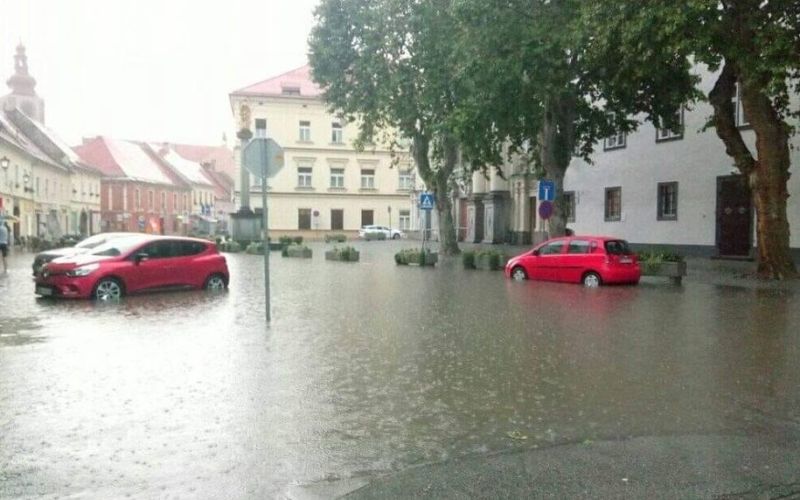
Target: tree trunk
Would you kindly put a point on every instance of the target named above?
(438, 181)
(557, 134)
(767, 175)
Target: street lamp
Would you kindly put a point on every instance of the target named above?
(5, 162)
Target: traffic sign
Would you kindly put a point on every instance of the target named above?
(263, 157)
(545, 209)
(547, 190)
(426, 201)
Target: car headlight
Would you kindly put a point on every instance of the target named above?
(83, 270)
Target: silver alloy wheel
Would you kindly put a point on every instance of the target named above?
(215, 282)
(518, 274)
(108, 290)
(591, 280)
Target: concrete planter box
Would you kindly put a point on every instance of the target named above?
(297, 252)
(413, 259)
(334, 255)
(488, 263)
(675, 271)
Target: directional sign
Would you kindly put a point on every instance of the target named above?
(263, 157)
(547, 190)
(545, 209)
(426, 201)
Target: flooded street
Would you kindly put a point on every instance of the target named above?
(369, 368)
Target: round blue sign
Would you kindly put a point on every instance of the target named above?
(545, 209)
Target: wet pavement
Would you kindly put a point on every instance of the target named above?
(372, 371)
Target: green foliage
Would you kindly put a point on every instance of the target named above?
(297, 240)
(415, 256)
(337, 237)
(468, 259)
(255, 247)
(285, 240)
(657, 256)
(346, 253)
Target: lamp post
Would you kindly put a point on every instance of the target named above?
(5, 162)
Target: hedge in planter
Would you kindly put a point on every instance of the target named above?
(346, 254)
(666, 264)
(338, 238)
(415, 256)
(489, 260)
(230, 246)
(297, 251)
(256, 247)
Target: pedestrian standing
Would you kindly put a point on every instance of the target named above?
(4, 235)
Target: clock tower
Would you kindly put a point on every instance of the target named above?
(23, 94)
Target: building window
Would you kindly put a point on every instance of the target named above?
(367, 178)
(337, 178)
(337, 219)
(337, 136)
(739, 116)
(304, 218)
(261, 127)
(613, 204)
(304, 177)
(174, 202)
(569, 206)
(666, 134)
(185, 202)
(137, 199)
(151, 204)
(163, 201)
(616, 141)
(405, 220)
(305, 131)
(367, 218)
(405, 182)
(667, 201)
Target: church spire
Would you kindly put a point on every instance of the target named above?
(21, 83)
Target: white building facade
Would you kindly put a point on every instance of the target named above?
(325, 185)
(659, 188)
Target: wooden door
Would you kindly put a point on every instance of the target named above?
(734, 217)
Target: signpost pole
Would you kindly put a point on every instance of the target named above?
(265, 222)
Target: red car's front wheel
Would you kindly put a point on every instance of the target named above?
(519, 274)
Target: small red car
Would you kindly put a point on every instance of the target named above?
(591, 260)
(136, 263)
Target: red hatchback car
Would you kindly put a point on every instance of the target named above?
(132, 264)
(591, 260)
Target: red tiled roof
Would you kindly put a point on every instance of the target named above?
(291, 81)
(220, 156)
(95, 152)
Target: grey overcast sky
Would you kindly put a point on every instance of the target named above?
(150, 69)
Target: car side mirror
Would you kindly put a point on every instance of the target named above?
(139, 257)
(535, 252)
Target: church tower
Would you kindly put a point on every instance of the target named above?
(23, 94)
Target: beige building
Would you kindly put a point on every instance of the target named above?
(45, 190)
(326, 184)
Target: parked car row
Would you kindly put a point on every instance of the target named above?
(127, 263)
(388, 233)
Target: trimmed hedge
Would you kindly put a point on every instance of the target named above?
(415, 256)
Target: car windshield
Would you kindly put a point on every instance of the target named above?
(618, 247)
(117, 246)
(93, 241)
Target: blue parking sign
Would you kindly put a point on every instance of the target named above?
(547, 190)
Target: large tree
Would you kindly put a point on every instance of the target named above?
(752, 46)
(529, 80)
(388, 65)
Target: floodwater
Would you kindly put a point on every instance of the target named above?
(368, 368)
